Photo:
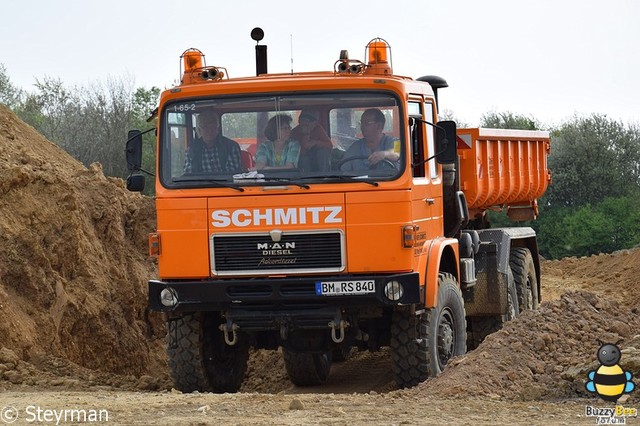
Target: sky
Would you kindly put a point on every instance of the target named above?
(548, 59)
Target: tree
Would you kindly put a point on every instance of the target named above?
(10, 95)
(447, 114)
(591, 158)
(90, 123)
(145, 102)
(611, 225)
(508, 120)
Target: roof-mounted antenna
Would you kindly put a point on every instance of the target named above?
(291, 35)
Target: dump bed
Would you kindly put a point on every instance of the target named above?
(503, 168)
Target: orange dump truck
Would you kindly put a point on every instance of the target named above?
(362, 227)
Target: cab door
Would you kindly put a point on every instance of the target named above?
(426, 198)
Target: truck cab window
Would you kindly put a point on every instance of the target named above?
(429, 116)
(417, 140)
(260, 141)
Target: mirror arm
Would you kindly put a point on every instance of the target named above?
(139, 134)
(143, 171)
(429, 123)
(445, 142)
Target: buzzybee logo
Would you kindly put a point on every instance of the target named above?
(610, 381)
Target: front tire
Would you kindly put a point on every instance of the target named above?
(422, 345)
(200, 360)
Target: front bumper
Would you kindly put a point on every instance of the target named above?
(278, 294)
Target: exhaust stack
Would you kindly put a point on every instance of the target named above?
(261, 51)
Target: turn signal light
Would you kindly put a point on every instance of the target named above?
(154, 245)
(408, 236)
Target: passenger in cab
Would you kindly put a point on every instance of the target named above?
(280, 151)
(315, 144)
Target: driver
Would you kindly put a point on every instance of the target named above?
(374, 147)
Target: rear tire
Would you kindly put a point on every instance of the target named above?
(306, 368)
(200, 360)
(513, 309)
(422, 345)
(342, 352)
(524, 275)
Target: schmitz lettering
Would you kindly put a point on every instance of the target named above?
(277, 216)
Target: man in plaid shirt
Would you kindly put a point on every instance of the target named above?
(212, 152)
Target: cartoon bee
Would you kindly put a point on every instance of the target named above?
(609, 381)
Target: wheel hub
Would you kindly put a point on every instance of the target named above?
(445, 339)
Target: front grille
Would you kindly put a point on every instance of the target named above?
(258, 254)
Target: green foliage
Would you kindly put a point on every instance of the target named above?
(145, 102)
(611, 225)
(447, 114)
(10, 95)
(593, 157)
(91, 123)
(508, 120)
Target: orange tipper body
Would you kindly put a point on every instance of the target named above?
(324, 212)
(503, 168)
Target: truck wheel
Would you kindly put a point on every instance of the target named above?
(342, 353)
(524, 275)
(200, 360)
(513, 309)
(307, 369)
(421, 345)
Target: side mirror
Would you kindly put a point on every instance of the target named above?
(446, 145)
(135, 183)
(134, 150)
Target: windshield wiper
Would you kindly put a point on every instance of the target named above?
(220, 183)
(269, 180)
(287, 182)
(344, 178)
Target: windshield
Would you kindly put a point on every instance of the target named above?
(268, 140)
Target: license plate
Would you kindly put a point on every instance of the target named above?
(342, 288)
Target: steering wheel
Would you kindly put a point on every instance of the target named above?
(378, 165)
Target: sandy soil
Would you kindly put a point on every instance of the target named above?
(76, 334)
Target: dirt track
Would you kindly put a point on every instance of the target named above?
(76, 333)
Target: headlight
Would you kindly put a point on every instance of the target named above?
(168, 297)
(393, 290)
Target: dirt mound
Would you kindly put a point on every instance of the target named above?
(544, 354)
(73, 269)
(73, 275)
(548, 353)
